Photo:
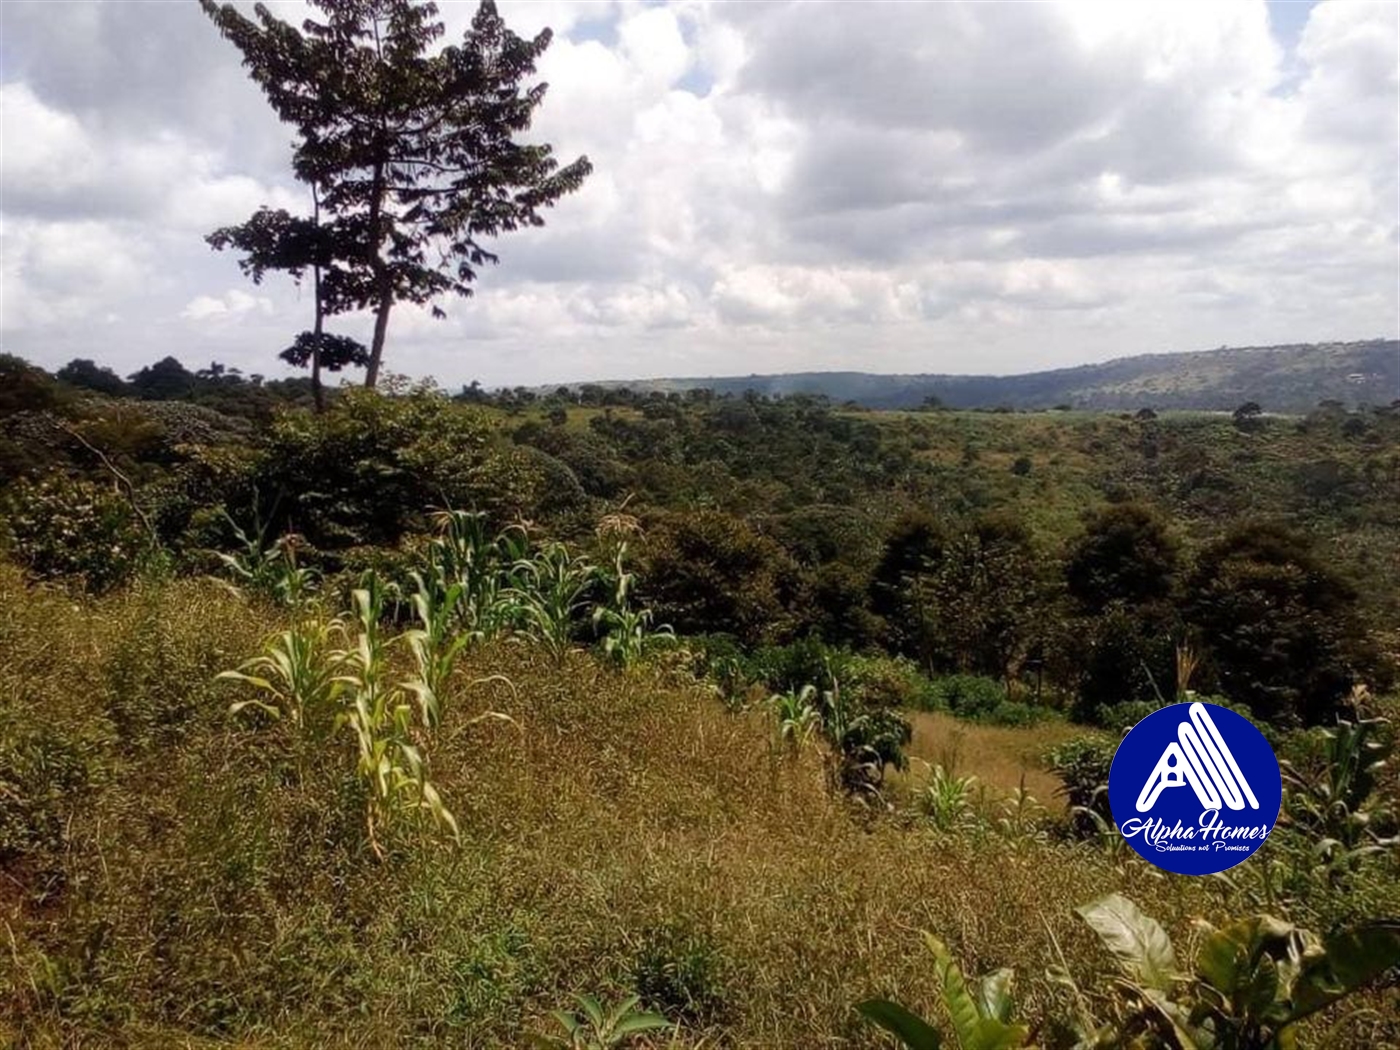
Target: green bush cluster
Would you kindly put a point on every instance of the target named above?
(72, 528)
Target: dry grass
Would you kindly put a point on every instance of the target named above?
(1003, 758)
(624, 826)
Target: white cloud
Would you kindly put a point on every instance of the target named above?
(910, 186)
(232, 304)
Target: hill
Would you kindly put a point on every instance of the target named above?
(1288, 379)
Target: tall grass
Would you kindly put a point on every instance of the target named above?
(185, 885)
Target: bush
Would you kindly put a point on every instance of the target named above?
(1119, 718)
(885, 681)
(364, 471)
(1082, 764)
(68, 529)
(969, 696)
(787, 668)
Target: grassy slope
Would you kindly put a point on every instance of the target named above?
(214, 883)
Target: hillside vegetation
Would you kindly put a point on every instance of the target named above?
(404, 723)
(1292, 378)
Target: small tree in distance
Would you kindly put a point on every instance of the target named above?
(1249, 417)
(411, 156)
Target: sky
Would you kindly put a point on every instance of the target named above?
(789, 186)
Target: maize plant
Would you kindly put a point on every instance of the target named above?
(946, 799)
(434, 646)
(379, 713)
(626, 631)
(797, 716)
(270, 570)
(465, 556)
(298, 674)
(551, 592)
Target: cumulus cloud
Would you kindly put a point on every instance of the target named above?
(887, 186)
(233, 303)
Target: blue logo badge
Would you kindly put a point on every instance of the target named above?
(1195, 788)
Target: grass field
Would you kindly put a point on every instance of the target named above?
(203, 879)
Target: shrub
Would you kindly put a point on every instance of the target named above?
(363, 471)
(884, 681)
(70, 529)
(1082, 764)
(782, 668)
(1119, 718)
(969, 696)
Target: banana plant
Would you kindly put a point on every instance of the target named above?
(980, 1020)
(1255, 978)
(598, 1027)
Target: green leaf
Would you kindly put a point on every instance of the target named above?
(1138, 941)
(640, 1023)
(593, 1009)
(914, 1032)
(996, 995)
(1349, 960)
(961, 1007)
(566, 1020)
(1222, 962)
(621, 1010)
(1262, 989)
(1177, 1019)
(992, 1034)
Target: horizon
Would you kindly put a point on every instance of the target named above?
(343, 380)
(773, 194)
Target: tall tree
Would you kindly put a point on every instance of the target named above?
(278, 240)
(1280, 625)
(413, 155)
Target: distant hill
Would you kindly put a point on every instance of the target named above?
(1291, 378)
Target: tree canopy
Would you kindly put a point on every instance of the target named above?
(411, 156)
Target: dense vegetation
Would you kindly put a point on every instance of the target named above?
(1290, 378)
(464, 770)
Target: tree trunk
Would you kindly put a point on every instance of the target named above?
(381, 327)
(318, 394)
(383, 285)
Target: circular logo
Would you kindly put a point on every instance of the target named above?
(1195, 788)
